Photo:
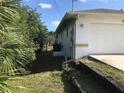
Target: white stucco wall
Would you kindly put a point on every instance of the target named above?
(104, 34)
(109, 40)
(65, 40)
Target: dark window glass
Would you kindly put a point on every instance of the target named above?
(67, 31)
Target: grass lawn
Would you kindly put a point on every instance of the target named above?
(46, 82)
(48, 77)
(107, 70)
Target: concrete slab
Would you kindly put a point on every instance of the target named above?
(116, 61)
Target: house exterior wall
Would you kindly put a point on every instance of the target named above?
(99, 34)
(65, 38)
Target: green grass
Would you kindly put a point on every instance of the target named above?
(107, 70)
(46, 82)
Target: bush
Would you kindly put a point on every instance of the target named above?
(57, 47)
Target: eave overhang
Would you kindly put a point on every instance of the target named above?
(72, 16)
(69, 17)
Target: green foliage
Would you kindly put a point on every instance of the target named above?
(4, 88)
(11, 55)
(50, 38)
(38, 31)
(8, 13)
(21, 32)
(19, 27)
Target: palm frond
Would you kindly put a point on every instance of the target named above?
(8, 12)
(4, 88)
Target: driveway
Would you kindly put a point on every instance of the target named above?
(116, 61)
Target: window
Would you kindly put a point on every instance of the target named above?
(67, 31)
(61, 35)
(72, 35)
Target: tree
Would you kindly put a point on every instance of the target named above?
(21, 30)
(50, 40)
(8, 14)
(12, 44)
(38, 29)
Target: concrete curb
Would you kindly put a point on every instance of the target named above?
(80, 90)
(75, 83)
(108, 82)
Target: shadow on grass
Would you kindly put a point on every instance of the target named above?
(45, 61)
(68, 85)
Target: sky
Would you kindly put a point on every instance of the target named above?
(52, 11)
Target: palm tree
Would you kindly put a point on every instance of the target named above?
(4, 88)
(16, 33)
(9, 44)
(8, 12)
(14, 54)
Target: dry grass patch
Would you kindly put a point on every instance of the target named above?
(47, 82)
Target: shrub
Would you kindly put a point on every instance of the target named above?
(57, 47)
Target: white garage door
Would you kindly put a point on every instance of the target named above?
(106, 39)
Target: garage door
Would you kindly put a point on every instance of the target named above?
(106, 39)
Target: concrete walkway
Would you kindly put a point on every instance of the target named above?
(116, 61)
